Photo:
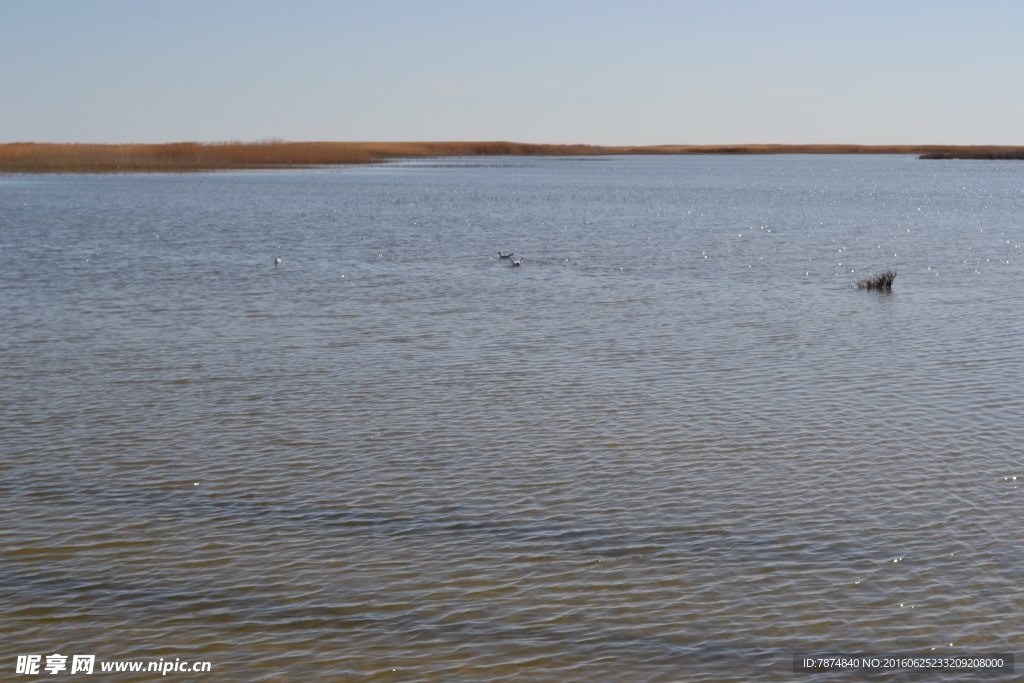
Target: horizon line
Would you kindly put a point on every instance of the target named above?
(51, 157)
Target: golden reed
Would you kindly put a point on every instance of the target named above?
(31, 157)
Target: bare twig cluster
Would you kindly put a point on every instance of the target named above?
(882, 281)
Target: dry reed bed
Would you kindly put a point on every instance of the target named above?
(30, 157)
(977, 153)
(195, 156)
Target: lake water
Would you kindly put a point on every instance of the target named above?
(677, 444)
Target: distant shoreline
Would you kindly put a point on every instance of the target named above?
(31, 157)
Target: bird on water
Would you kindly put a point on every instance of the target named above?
(518, 262)
(501, 255)
(277, 261)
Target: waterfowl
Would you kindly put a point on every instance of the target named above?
(508, 255)
(517, 262)
(277, 261)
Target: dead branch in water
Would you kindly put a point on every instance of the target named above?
(882, 281)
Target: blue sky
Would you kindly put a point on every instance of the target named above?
(562, 72)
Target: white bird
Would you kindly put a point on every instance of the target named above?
(277, 261)
(518, 262)
(508, 255)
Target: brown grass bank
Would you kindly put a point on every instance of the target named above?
(977, 153)
(195, 156)
(30, 157)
